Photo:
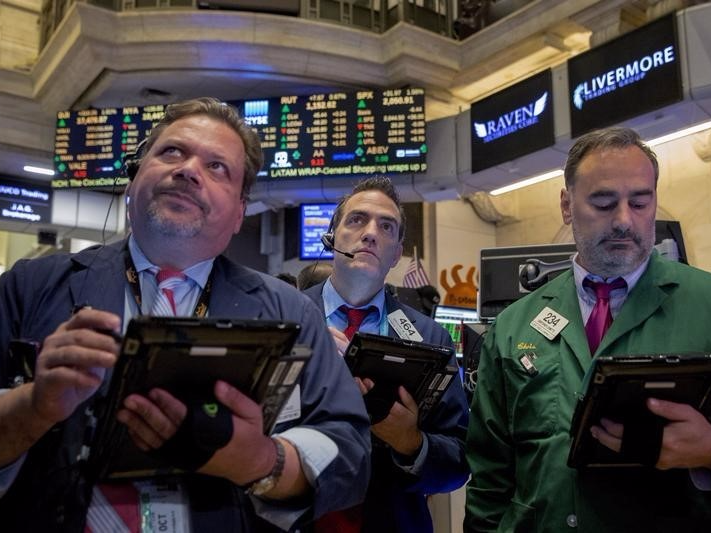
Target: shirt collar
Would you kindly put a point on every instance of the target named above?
(332, 300)
(199, 272)
(580, 273)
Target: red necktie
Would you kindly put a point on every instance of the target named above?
(346, 520)
(601, 316)
(355, 318)
(168, 280)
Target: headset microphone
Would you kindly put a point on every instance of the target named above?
(347, 254)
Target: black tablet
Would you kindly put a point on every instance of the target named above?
(186, 356)
(617, 389)
(423, 369)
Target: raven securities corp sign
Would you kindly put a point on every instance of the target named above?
(513, 122)
(631, 75)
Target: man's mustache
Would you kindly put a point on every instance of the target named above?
(183, 189)
(627, 234)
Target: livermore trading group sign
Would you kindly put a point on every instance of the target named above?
(631, 75)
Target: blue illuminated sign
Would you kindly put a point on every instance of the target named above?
(25, 202)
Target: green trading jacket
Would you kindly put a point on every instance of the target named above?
(518, 438)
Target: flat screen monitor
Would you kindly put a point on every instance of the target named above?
(452, 319)
(628, 76)
(499, 271)
(314, 220)
(513, 122)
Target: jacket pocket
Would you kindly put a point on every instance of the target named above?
(533, 399)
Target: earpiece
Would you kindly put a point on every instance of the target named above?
(327, 241)
(132, 161)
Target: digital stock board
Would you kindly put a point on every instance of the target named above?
(90, 144)
(328, 134)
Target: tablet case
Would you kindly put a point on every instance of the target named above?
(617, 389)
(186, 356)
(423, 369)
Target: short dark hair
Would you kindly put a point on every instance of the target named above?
(215, 109)
(375, 183)
(312, 275)
(615, 137)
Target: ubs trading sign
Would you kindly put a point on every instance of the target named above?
(631, 75)
(513, 122)
(25, 202)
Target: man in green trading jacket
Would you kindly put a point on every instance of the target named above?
(518, 438)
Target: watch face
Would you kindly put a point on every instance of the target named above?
(262, 486)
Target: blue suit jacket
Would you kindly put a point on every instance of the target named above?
(36, 296)
(396, 501)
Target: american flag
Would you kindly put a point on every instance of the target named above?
(415, 275)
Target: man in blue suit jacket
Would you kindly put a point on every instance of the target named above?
(187, 199)
(410, 460)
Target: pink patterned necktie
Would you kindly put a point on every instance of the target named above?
(601, 316)
(168, 280)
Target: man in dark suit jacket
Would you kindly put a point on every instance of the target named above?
(188, 193)
(411, 459)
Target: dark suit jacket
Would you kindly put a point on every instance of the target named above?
(50, 494)
(396, 501)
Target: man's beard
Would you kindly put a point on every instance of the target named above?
(598, 259)
(164, 225)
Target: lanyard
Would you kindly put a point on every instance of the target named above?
(132, 279)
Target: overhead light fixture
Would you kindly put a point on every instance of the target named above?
(558, 172)
(38, 170)
(528, 181)
(679, 134)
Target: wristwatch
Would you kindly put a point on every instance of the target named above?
(268, 482)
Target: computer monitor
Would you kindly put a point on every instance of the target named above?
(451, 319)
(500, 268)
(314, 221)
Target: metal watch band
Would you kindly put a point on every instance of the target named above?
(268, 482)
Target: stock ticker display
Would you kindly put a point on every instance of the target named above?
(334, 134)
(89, 145)
(329, 134)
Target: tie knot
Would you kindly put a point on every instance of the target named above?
(602, 290)
(355, 317)
(166, 274)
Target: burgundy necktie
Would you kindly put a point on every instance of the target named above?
(355, 318)
(346, 520)
(601, 316)
(168, 280)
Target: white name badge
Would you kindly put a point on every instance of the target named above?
(403, 327)
(292, 408)
(549, 323)
(164, 507)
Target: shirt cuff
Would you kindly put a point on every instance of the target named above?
(701, 478)
(9, 473)
(414, 467)
(316, 452)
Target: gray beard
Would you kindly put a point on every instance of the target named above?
(166, 227)
(609, 264)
